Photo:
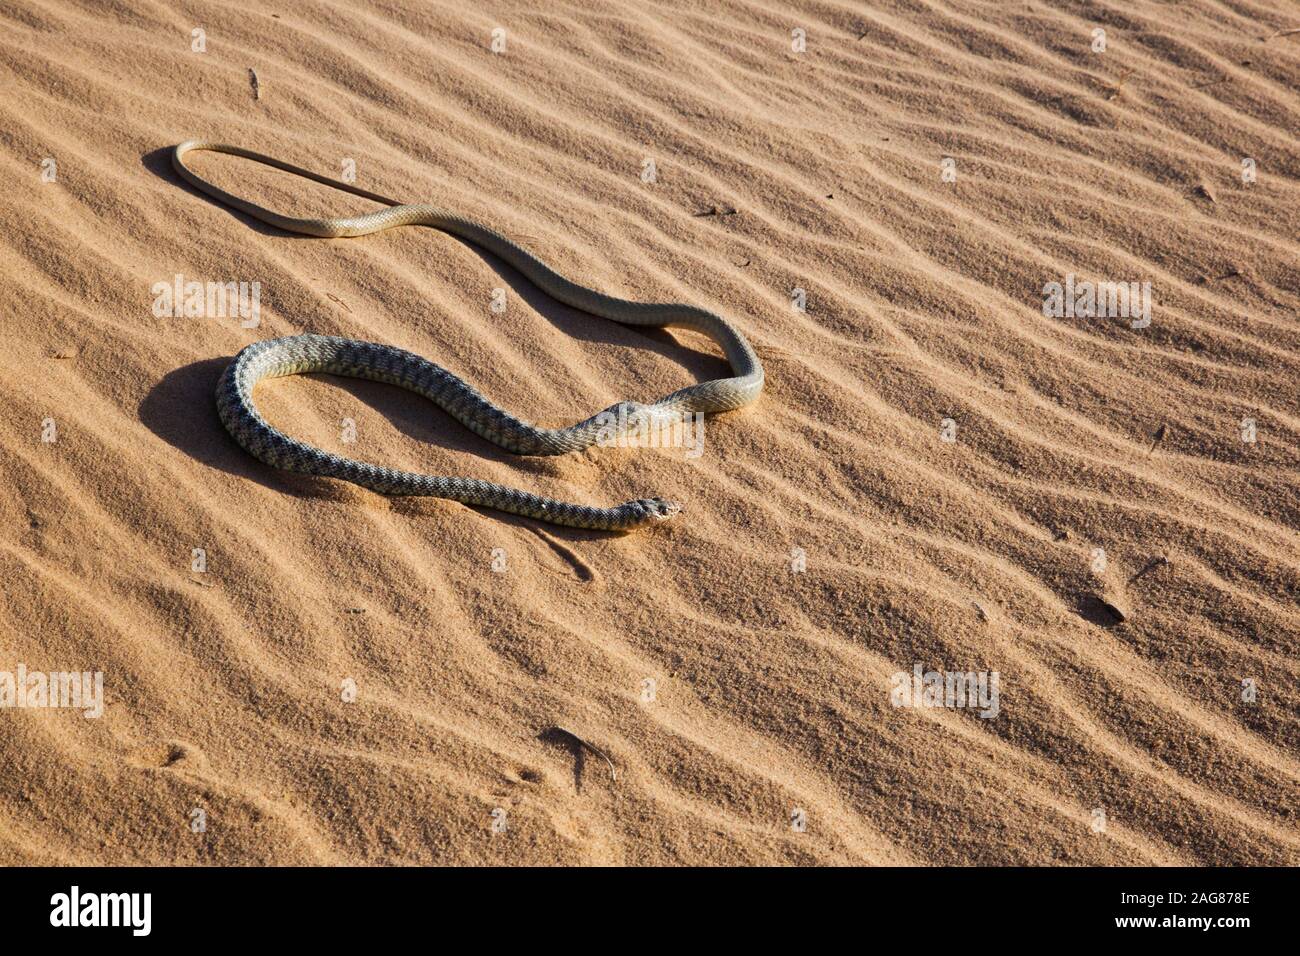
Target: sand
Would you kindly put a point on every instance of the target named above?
(347, 679)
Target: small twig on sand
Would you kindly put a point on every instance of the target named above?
(1159, 561)
(1118, 89)
(1281, 33)
(613, 774)
(252, 79)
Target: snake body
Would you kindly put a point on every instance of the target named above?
(302, 354)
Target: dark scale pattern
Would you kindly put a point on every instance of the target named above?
(317, 353)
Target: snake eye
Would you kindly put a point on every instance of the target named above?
(660, 508)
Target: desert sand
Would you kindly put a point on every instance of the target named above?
(938, 474)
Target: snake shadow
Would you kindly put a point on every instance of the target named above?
(181, 410)
(585, 327)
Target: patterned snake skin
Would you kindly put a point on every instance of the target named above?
(300, 354)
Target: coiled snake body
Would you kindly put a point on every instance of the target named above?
(301, 354)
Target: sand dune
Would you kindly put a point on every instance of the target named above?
(734, 665)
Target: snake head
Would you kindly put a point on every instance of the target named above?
(656, 509)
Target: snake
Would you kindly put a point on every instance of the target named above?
(332, 355)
